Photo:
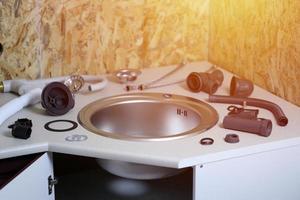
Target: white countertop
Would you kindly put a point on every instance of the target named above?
(173, 153)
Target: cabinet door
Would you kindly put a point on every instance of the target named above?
(273, 175)
(32, 182)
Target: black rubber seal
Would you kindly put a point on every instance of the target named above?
(47, 125)
(206, 141)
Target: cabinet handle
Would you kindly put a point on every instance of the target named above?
(51, 183)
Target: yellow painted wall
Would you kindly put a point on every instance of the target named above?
(260, 41)
(257, 39)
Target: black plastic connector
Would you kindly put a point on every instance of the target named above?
(21, 128)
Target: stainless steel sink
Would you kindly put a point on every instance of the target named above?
(146, 117)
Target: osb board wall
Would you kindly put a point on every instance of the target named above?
(257, 39)
(43, 38)
(260, 41)
(20, 39)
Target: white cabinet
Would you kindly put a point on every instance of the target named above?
(270, 175)
(31, 182)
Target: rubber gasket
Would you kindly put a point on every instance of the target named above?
(232, 138)
(206, 141)
(47, 125)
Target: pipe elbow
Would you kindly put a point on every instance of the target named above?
(279, 115)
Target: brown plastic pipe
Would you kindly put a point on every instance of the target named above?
(262, 127)
(281, 119)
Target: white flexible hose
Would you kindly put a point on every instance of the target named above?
(98, 86)
(15, 105)
(23, 86)
(30, 92)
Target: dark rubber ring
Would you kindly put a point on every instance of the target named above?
(206, 141)
(232, 138)
(47, 125)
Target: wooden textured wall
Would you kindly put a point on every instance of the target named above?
(260, 41)
(257, 39)
(19, 37)
(43, 38)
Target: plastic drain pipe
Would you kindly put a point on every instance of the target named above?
(280, 117)
(30, 92)
(13, 106)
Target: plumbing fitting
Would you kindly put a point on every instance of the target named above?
(143, 87)
(242, 112)
(207, 82)
(206, 141)
(74, 83)
(127, 75)
(151, 84)
(232, 138)
(21, 128)
(259, 126)
(57, 99)
(31, 90)
(240, 87)
(280, 117)
(246, 120)
(21, 86)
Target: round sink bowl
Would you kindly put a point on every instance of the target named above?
(137, 171)
(146, 117)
